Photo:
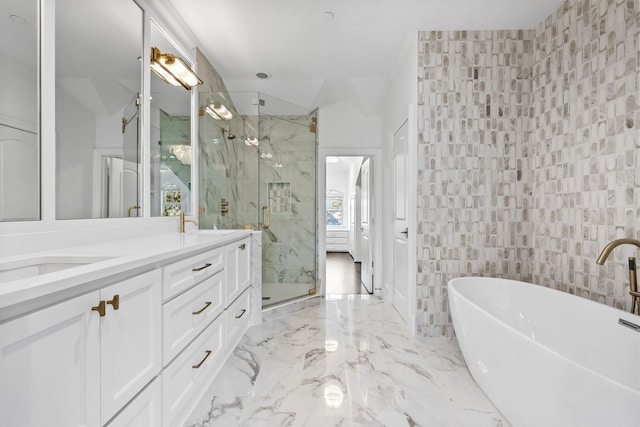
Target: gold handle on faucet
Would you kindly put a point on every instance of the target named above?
(266, 218)
(132, 208)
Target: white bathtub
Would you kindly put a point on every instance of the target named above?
(547, 358)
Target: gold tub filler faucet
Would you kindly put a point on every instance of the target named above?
(633, 280)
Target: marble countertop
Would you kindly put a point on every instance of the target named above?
(122, 259)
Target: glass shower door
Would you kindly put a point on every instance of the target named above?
(287, 200)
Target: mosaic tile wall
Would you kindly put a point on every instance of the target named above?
(528, 155)
(473, 114)
(586, 151)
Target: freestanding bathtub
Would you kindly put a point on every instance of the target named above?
(547, 358)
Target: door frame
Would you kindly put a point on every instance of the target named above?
(375, 154)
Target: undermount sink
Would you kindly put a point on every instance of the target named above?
(37, 266)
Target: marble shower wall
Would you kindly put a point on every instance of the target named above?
(528, 155)
(288, 187)
(474, 90)
(219, 156)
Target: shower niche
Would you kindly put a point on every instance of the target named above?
(258, 154)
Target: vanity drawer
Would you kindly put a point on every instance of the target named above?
(237, 319)
(182, 275)
(185, 316)
(186, 378)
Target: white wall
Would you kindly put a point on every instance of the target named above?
(402, 94)
(341, 125)
(75, 138)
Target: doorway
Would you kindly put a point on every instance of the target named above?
(348, 233)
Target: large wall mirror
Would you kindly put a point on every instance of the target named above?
(19, 142)
(99, 46)
(170, 139)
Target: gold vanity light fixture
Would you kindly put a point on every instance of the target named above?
(173, 69)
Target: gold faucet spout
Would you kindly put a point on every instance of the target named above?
(183, 220)
(614, 244)
(633, 280)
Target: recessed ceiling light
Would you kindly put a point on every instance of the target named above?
(328, 16)
(262, 75)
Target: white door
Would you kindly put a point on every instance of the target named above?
(50, 366)
(400, 224)
(130, 339)
(365, 226)
(19, 181)
(123, 188)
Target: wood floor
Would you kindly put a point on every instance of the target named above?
(343, 275)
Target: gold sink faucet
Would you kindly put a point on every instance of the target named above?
(633, 280)
(183, 220)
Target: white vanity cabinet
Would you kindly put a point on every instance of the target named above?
(237, 269)
(50, 366)
(78, 362)
(129, 339)
(144, 411)
(139, 348)
(202, 325)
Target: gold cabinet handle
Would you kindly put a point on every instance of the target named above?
(207, 265)
(203, 360)
(101, 308)
(243, 246)
(206, 305)
(115, 302)
(241, 314)
(266, 217)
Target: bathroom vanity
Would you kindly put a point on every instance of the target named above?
(127, 332)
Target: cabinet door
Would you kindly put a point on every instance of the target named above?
(237, 263)
(144, 410)
(49, 366)
(130, 340)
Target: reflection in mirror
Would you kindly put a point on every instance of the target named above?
(98, 86)
(19, 145)
(170, 140)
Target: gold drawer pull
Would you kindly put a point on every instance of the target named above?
(206, 305)
(115, 302)
(207, 265)
(241, 314)
(243, 246)
(203, 360)
(101, 308)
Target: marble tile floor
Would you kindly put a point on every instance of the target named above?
(347, 361)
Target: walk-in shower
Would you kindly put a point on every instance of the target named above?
(258, 169)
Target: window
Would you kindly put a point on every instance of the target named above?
(335, 208)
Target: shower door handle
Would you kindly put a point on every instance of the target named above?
(266, 217)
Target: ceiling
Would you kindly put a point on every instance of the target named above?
(316, 58)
